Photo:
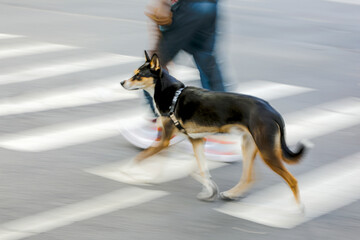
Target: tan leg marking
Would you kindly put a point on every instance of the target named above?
(273, 158)
(168, 131)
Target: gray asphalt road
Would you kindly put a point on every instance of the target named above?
(60, 113)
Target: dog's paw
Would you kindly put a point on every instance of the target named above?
(209, 192)
(301, 207)
(225, 197)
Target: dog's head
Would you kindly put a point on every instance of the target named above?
(145, 76)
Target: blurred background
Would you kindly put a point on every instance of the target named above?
(62, 110)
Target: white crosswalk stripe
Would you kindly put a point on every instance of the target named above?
(62, 216)
(324, 119)
(164, 167)
(24, 50)
(46, 71)
(105, 90)
(8, 36)
(354, 2)
(68, 134)
(270, 90)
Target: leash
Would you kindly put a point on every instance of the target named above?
(172, 109)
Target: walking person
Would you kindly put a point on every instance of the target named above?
(192, 28)
(189, 25)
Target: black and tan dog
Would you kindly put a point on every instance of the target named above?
(197, 112)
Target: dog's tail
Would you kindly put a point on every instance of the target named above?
(289, 156)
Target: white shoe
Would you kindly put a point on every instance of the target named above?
(223, 148)
(145, 134)
(220, 148)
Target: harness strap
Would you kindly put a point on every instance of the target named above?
(172, 109)
(177, 123)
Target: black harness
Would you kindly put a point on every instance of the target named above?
(172, 110)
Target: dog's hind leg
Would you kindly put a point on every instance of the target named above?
(277, 166)
(210, 190)
(168, 131)
(249, 150)
(271, 153)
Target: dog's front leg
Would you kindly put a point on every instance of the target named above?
(210, 190)
(167, 133)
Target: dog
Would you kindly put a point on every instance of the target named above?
(197, 112)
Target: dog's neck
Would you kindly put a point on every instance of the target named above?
(165, 89)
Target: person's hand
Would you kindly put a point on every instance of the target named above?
(160, 14)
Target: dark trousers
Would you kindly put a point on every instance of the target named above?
(193, 30)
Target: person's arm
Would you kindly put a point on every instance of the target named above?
(159, 11)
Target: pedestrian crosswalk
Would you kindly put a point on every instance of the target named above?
(314, 121)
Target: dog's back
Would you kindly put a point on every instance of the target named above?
(217, 109)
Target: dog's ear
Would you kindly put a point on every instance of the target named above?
(155, 64)
(147, 56)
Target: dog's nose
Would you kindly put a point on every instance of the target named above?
(122, 83)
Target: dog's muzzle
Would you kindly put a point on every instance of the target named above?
(123, 84)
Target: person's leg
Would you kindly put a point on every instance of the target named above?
(188, 19)
(218, 148)
(150, 101)
(172, 39)
(210, 74)
(202, 49)
(178, 35)
(193, 30)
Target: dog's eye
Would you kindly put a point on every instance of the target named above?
(137, 76)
